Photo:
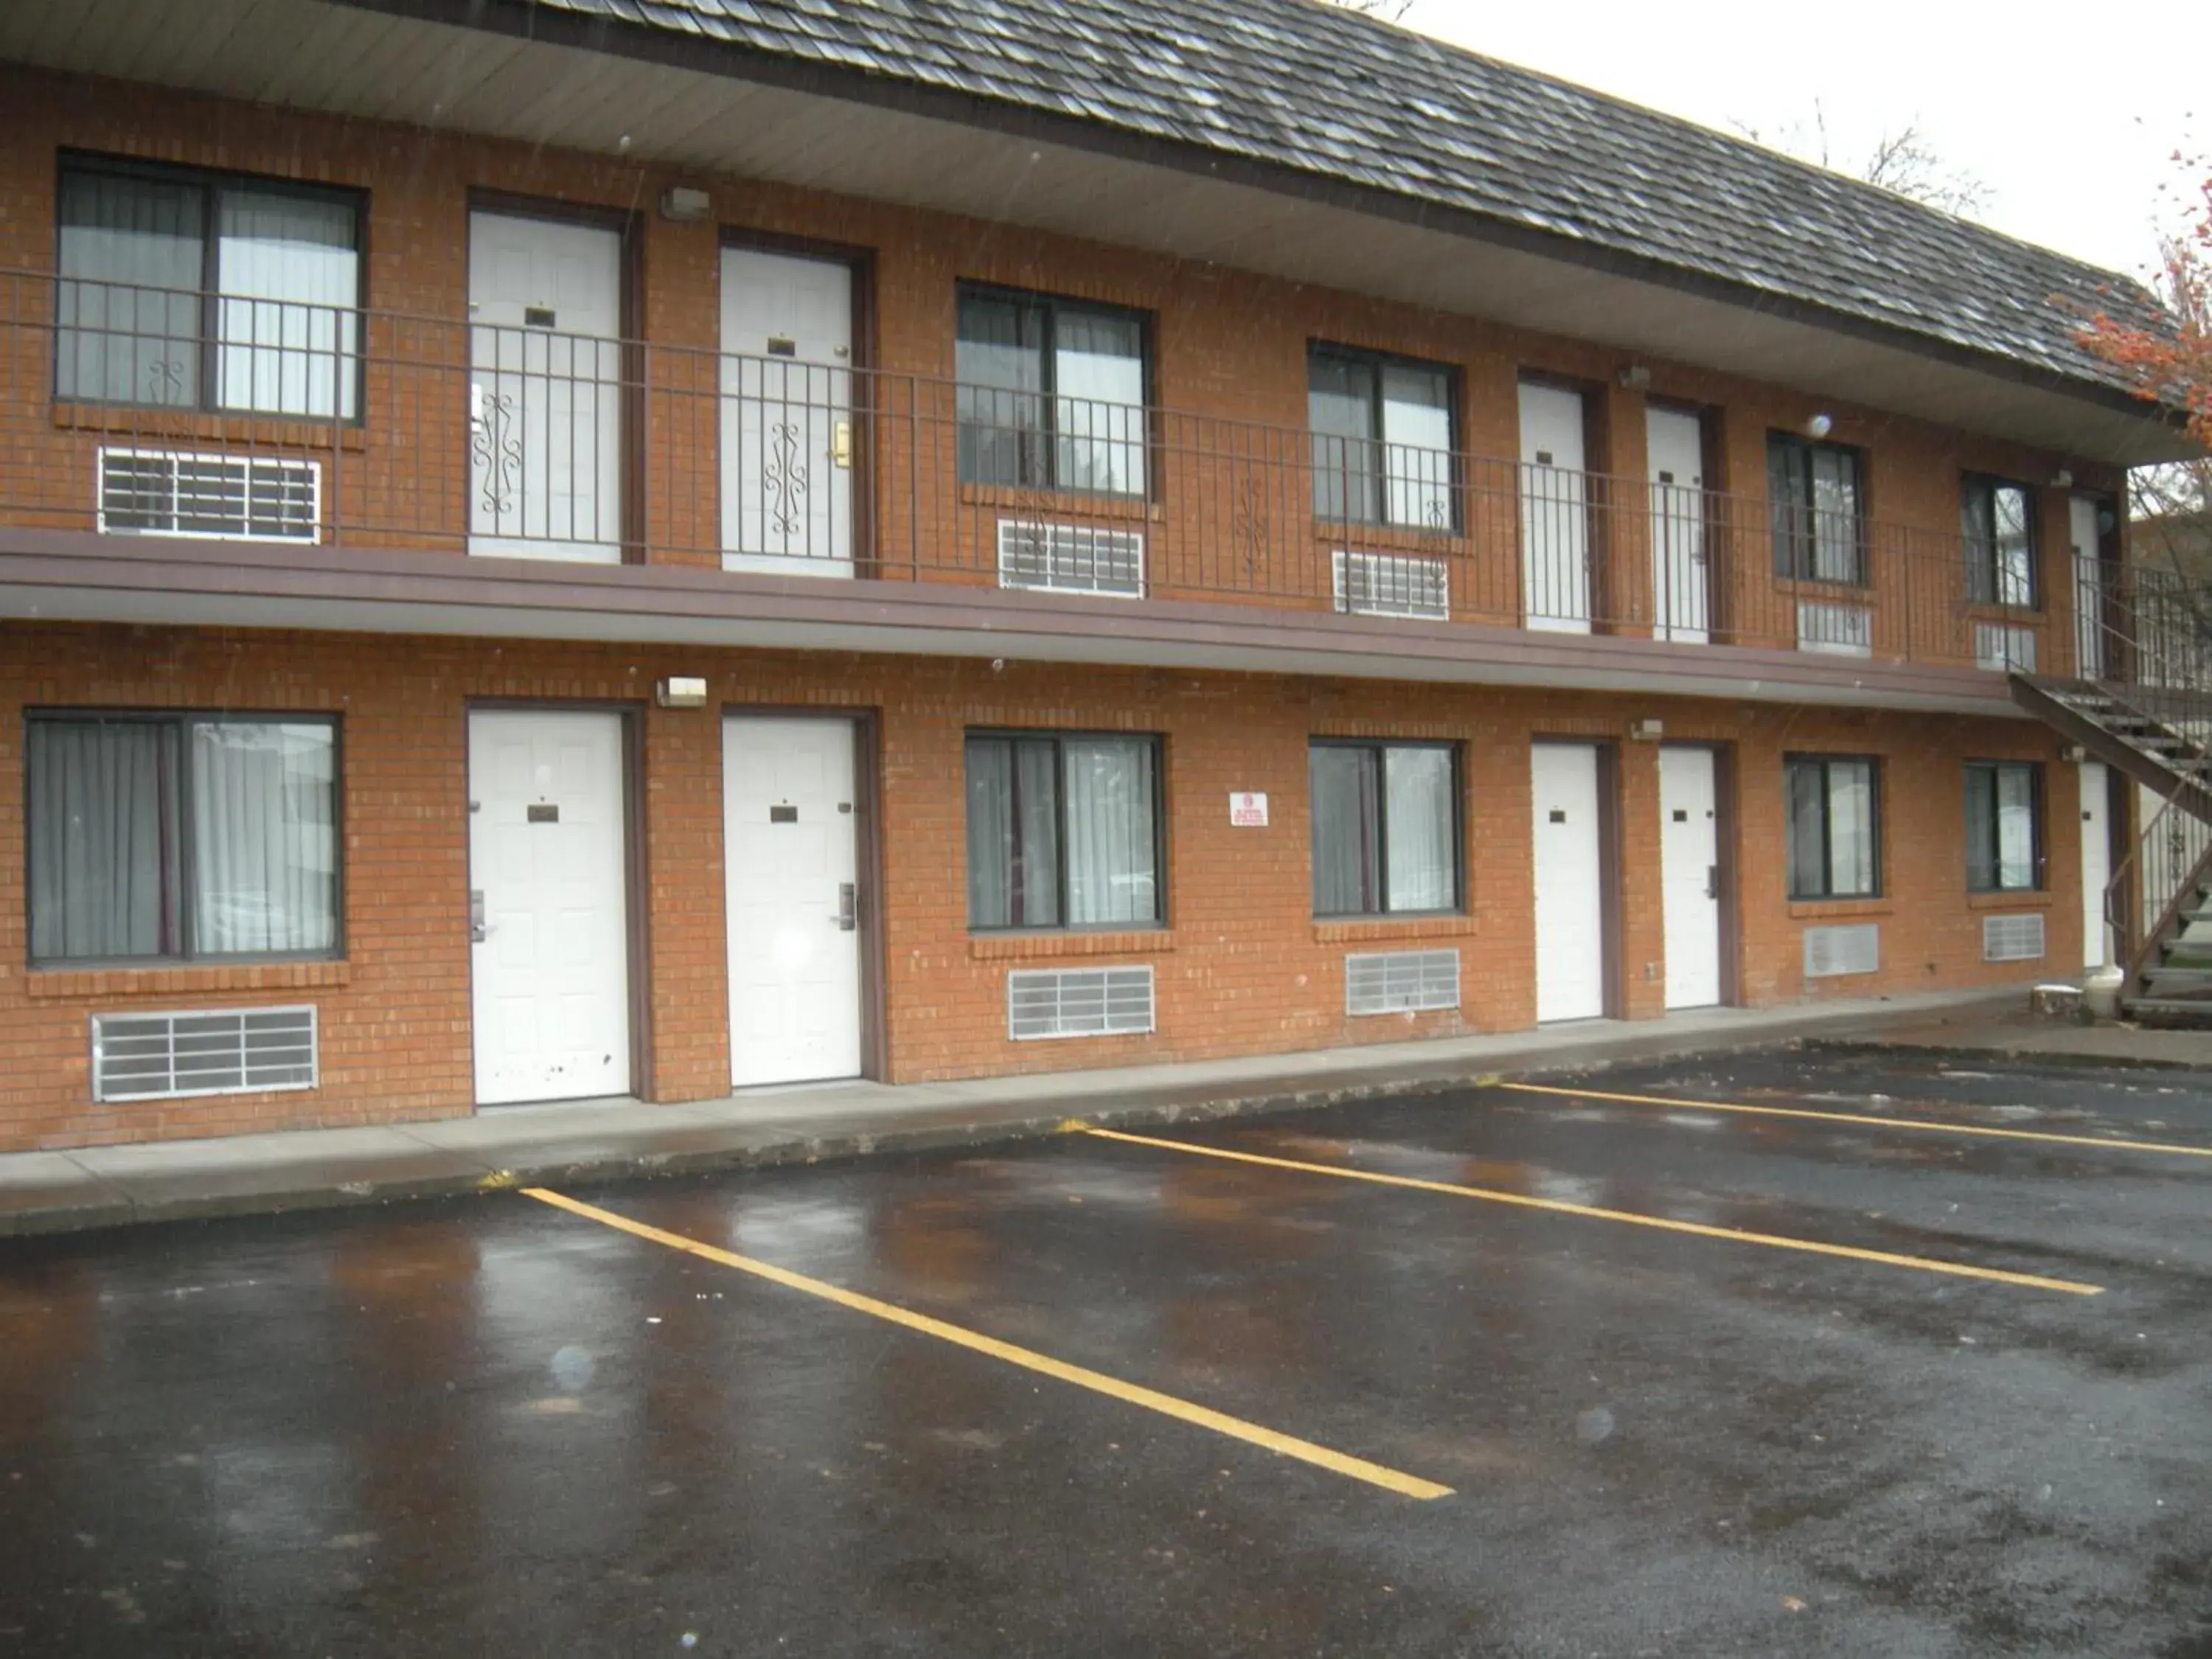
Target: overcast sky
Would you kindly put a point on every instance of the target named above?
(2066, 119)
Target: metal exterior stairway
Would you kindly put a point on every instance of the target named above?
(2112, 723)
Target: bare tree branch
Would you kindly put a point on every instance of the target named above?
(1902, 160)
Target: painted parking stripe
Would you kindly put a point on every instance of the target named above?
(2110, 1143)
(1664, 1224)
(1357, 1469)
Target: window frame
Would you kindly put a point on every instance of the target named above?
(1380, 747)
(1802, 534)
(1455, 483)
(1049, 306)
(1827, 896)
(2038, 860)
(1984, 574)
(1059, 737)
(209, 182)
(178, 902)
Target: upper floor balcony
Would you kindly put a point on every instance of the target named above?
(348, 460)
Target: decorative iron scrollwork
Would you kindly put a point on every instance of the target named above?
(1248, 524)
(495, 445)
(785, 479)
(165, 380)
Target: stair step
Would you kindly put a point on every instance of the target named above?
(2157, 1010)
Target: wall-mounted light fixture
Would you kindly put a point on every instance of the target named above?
(1818, 427)
(1647, 731)
(1635, 378)
(681, 691)
(2062, 479)
(683, 205)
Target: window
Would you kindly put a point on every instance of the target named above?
(2000, 540)
(2004, 827)
(188, 290)
(1386, 827)
(1816, 493)
(1051, 395)
(182, 837)
(1834, 827)
(1381, 438)
(1063, 831)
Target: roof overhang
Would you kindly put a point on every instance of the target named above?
(76, 577)
(505, 68)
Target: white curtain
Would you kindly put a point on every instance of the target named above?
(290, 278)
(1417, 445)
(2015, 838)
(1346, 820)
(1112, 845)
(1417, 818)
(127, 307)
(1098, 380)
(99, 861)
(1850, 827)
(264, 840)
(1340, 412)
(1013, 804)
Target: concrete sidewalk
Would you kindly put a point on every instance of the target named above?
(45, 1191)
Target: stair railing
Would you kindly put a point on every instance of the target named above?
(2156, 881)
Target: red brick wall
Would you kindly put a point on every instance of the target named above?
(1242, 967)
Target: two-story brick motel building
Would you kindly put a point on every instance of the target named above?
(570, 550)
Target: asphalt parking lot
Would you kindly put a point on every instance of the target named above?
(1849, 1354)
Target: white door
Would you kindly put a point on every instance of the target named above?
(1570, 910)
(1690, 875)
(1554, 510)
(1675, 443)
(2096, 862)
(546, 390)
(792, 842)
(2088, 588)
(786, 476)
(548, 905)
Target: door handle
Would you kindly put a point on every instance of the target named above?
(479, 929)
(848, 900)
(841, 443)
(1712, 881)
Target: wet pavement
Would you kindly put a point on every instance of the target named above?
(492, 1427)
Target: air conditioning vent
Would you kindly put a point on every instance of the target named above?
(1071, 558)
(2004, 648)
(256, 498)
(1830, 951)
(1393, 585)
(1837, 630)
(1400, 982)
(2012, 939)
(226, 1051)
(1078, 1002)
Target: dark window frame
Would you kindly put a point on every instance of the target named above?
(1977, 525)
(1791, 522)
(1790, 763)
(210, 182)
(2038, 862)
(1047, 306)
(1455, 483)
(1379, 747)
(1057, 737)
(177, 832)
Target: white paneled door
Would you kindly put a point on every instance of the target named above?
(545, 390)
(1571, 964)
(1681, 603)
(1689, 874)
(2096, 862)
(787, 428)
(549, 905)
(2089, 588)
(792, 839)
(1554, 510)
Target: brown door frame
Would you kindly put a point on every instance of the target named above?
(1725, 858)
(1613, 1004)
(859, 261)
(637, 886)
(629, 225)
(867, 861)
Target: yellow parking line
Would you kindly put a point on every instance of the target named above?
(2109, 1142)
(1357, 1469)
(1665, 1224)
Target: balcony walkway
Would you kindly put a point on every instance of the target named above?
(623, 1138)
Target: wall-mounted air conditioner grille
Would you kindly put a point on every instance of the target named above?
(1855, 948)
(1071, 558)
(226, 1051)
(1838, 630)
(1400, 982)
(2012, 939)
(1393, 585)
(2002, 647)
(235, 497)
(1068, 1002)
